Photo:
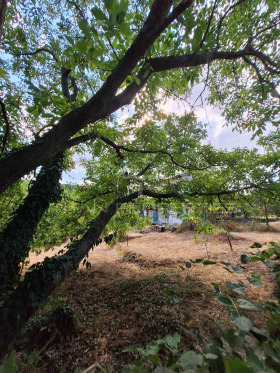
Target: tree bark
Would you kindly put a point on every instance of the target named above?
(15, 239)
(37, 285)
(3, 6)
(266, 214)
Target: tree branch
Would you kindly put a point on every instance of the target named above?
(260, 77)
(3, 6)
(5, 117)
(80, 139)
(46, 50)
(191, 60)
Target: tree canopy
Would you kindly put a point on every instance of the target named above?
(70, 64)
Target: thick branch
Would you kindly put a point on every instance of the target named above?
(40, 50)
(65, 79)
(190, 60)
(6, 120)
(3, 6)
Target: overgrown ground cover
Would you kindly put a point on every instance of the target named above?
(130, 297)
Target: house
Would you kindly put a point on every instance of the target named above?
(167, 217)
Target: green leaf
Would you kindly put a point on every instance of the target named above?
(84, 27)
(236, 269)
(189, 360)
(173, 295)
(260, 335)
(210, 356)
(162, 370)
(243, 323)
(245, 259)
(256, 245)
(173, 340)
(225, 301)
(246, 305)
(254, 281)
(237, 366)
(129, 349)
(255, 362)
(197, 36)
(216, 287)
(208, 262)
(188, 264)
(98, 14)
(108, 4)
(234, 287)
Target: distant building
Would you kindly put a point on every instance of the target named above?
(167, 217)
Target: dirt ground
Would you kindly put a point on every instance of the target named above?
(121, 299)
(143, 251)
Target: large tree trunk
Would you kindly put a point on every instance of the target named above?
(3, 6)
(16, 238)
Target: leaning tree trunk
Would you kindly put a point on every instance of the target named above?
(37, 285)
(16, 238)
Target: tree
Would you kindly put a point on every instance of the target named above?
(150, 174)
(124, 63)
(99, 50)
(3, 5)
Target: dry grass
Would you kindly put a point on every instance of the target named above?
(232, 226)
(121, 299)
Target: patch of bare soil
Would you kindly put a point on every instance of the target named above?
(122, 300)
